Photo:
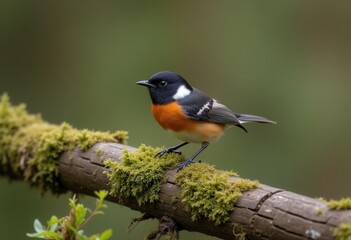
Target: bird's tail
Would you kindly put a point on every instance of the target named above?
(244, 118)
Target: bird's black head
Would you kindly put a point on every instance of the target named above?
(166, 87)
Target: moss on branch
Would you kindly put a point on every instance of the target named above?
(205, 191)
(30, 146)
(343, 231)
(342, 204)
(140, 174)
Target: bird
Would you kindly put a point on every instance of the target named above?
(190, 114)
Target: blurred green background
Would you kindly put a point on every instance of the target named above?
(286, 60)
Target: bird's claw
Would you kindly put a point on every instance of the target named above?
(160, 153)
(166, 151)
(185, 164)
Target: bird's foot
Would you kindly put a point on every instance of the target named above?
(166, 151)
(185, 164)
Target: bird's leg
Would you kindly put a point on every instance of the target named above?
(171, 150)
(191, 160)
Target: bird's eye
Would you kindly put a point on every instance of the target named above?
(162, 84)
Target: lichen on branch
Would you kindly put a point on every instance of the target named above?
(30, 146)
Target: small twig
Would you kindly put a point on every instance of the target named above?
(135, 221)
(166, 226)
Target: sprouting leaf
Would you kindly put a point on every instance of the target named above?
(98, 213)
(80, 235)
(46, 235)
(70, 227)
(80, 212)
(33, 235)
(73, 201)
(105, 235)
(53, 227)
(53, 223)
(38, 227)
(94, 237)
(101, 194)
(51, 235)
(53, 220)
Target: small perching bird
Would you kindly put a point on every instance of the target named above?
(190, 114)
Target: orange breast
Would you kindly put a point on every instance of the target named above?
(171, 117)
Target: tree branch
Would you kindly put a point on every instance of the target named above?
(264, 213)
(61, 158)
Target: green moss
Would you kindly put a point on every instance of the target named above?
(342, 204)
(140, 174)
(322, 199)
(99, 152)
(88, 138)
(343, 231)
(319, 212)
(207, 192)
(121, 136)
(29, 146)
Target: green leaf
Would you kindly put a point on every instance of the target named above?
(80, 215)
(80, 232)
(33, 235)
(101, 194)
(52, 235)
(38, 227)
(73, 201)
(53, 220)
(70, 227)
(46, 234)
(80, 235)
(105, 235)
(53, 223)
(80, 212)
(53, 227)
(94, 237)
(98, 213)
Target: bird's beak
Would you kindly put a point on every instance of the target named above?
(145, 83)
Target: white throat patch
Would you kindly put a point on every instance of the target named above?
(181, 93)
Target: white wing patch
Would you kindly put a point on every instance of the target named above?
(206, 106)
(216, 103)
(241, 122)
(182, 92)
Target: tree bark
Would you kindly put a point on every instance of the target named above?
(263, 213)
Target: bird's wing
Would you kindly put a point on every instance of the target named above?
(199, 106)
(219, 113)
